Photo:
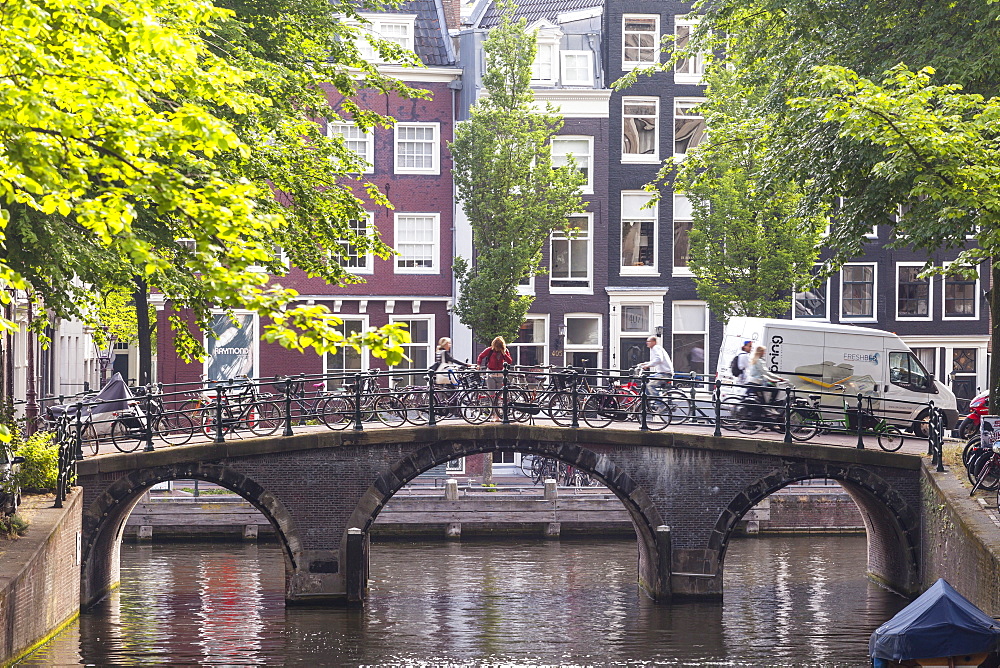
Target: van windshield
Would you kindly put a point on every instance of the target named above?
(905, 370)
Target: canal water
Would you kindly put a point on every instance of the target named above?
(789, 601)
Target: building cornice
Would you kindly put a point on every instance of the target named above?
(576, 102)
(426, 74)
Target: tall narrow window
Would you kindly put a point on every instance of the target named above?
(352, 258)
(913, 293)
(638, 234)
(357, 140)
(582, 340)
(814, 302)
(857, 283)
(582, 150)
(640, 40)
(960, 297)
(417, 148)
(416, 237)
(570, 255)
(418, 350)
(683, 222)
(689, 126)
(543, 69)
(529, 348)
(690, 333)
(640, 139)
(346, 361)
(691, 69)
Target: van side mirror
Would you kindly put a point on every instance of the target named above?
(18, 460)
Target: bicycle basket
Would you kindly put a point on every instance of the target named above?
(867, 419)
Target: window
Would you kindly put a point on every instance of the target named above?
(418, 350)
(635, 318)
(913, 294)
(857, 291)
(905, 371)
(582, 150)
(687, 70)
(582, 340)
(347, 360)
(683, 221)
(638, 234)
(351, 258)
(690, 332)
(640, 40)
(418, 148)
(397, 29)
(960, 297)
(417, 243)
(528, 349)
(570, 256)
(577, 68)
(689, 126)
(232, 346)
(543, 69)
(640, 139)
(357, 140)
(814, 302)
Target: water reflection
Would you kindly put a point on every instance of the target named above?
(789, 601)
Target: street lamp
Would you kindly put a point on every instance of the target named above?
(106, 356)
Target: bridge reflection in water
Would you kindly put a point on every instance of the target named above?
(788, 601)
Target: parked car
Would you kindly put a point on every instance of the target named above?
(10, 493)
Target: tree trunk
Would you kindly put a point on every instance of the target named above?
(140, 296)
(994, 333)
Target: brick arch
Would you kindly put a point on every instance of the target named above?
(104, 520)
(892, 523)
(639, 505)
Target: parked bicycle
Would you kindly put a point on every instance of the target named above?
(145, 417)
(240, 405)
(540, 468)
(377, 403)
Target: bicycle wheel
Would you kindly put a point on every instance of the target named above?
(127, 433)
(527, 462)
(560, 409)
(415, 404)
(890, 438)
(802, 424)
(987, 474)
(390, 411)
(89, 441)
(748, 423)
(476, 406)
(598, 409)
(729, 413)
(658, 413)
(337, 412)
(264, 418)
(972, 448)
(518, 397)
(681, 406)
(174, 429)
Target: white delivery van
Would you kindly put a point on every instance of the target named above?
(827, 357)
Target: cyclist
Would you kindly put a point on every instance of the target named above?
(758, 378)
(659, 363)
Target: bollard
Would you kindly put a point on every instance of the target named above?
(788, 415)
(860, 424)
(288, 407)
(717, 400)
(451, 489)
(355, 571)
(664, 550)
(551, 490)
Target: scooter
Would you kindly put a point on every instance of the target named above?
(970, 426)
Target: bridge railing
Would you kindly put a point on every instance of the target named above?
(219, 410)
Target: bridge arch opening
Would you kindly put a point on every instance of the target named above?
(891, 524)
(105, 518)
(653, 560)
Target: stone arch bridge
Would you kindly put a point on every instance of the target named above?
(685, 493)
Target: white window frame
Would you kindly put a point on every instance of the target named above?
(587, 162)
(674, 331)
(654, 216)
(944, 288)
(653, 157)
(678, 270)
(632, 64)
(369, 142)
(825, 318)
(563, 67)
(431, 337)
(697, 73)
(558, 235)
(684, 101)
(435, 268)
(376, 27)
(435, 143)
(529, 288)
(546, 45)
(585, 347)
(369, 258)
(365, 355)
(930, 295)
(545, 346)
(861, 318)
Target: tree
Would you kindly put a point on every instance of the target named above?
(509, 190)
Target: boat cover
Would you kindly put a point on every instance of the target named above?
(113, 397)
(940, 622)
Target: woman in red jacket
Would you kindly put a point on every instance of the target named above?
(493, 358)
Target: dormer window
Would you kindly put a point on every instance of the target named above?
(543, 70)
(397, 28)
(577, 68)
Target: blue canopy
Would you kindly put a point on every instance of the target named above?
(940, 622)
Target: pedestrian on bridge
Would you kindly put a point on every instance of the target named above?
(493, 358)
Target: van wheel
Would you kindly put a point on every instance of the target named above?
(921, 427)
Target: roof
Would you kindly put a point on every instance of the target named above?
(430, 39)
(533, 10)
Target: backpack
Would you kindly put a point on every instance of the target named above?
(734, 367)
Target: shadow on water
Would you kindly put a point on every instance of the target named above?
(789, 601)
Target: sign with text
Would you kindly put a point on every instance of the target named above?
(989, 430)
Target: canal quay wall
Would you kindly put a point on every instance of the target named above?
(40, 575)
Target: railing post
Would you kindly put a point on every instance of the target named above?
(788, 415)
(717, 400)
(930, 428)
(147, 432)
(505, 393)
(939, 430)
(431, 412)
(574, 396)
(219, 438)
(860, 424)
(357, 403)
(79, 433)
(643, 425)
(288, 407)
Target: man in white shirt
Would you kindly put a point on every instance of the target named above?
(659, 363)
(743, 361)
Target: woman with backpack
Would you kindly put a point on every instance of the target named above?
(493, 358)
